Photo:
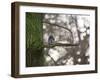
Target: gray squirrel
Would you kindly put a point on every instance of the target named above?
(51, 40)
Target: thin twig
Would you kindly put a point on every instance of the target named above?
(51, 57)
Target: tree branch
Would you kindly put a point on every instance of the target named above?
(60, 44)
(54, 24)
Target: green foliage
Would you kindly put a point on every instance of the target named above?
(34, 41)
(33, 30)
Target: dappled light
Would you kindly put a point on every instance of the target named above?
(67, 29)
